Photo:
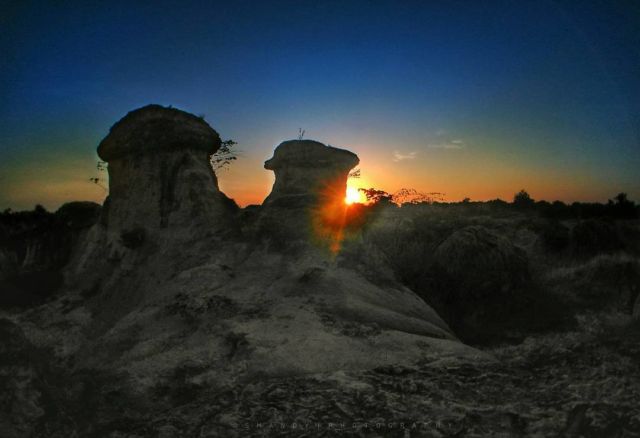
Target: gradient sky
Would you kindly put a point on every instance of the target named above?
(473, 99)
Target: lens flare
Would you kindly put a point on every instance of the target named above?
(337, 217)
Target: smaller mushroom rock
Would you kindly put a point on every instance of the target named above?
(309, 168)
(307, 199)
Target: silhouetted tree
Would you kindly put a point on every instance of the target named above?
(622, 207)
(412, 196)
(522, 199)
(376, 196)
(100, 182)
(402, 196)
(223, 156)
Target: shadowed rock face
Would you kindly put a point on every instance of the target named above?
(159, 172)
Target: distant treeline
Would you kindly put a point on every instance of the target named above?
(39, 220)
(620, 207)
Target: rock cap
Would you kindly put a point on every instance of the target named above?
(155, 128)
(310, 153)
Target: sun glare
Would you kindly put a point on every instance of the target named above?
(353, 196)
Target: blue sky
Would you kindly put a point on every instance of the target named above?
(475, 99)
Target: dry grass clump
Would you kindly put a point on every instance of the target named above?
(606, 281)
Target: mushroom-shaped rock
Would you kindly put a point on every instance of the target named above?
(307, 199)
(159, 171)
(309, 168)
(164, 210)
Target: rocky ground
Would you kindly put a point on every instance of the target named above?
(580, 383)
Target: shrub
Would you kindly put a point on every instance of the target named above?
(605, 281)
(523, 200)
(479, 277)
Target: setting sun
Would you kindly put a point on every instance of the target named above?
(353, 196)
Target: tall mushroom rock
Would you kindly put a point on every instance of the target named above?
(164, 207)
(310, 185)
(159, 171)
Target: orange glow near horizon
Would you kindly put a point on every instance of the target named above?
(56, 180)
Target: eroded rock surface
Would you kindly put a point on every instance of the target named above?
(23, 388)
(34, 248)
